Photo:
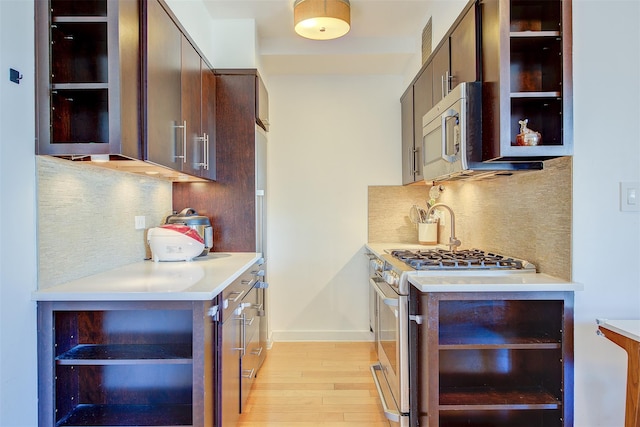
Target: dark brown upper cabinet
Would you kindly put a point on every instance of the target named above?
(455, 60)
(179, 98)
(527, 74)
(88, 78)
(411, 167)
(122, 77)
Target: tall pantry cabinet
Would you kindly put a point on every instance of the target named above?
(236, 203)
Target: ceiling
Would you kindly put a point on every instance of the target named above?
(384, 36)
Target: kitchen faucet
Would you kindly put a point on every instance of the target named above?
(453, 240)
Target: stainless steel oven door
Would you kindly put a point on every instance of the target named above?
(391, 374)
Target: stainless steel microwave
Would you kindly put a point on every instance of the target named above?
(452, 139)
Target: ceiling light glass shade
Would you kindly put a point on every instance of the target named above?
(322, 19)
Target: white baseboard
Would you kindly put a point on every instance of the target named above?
(284, 336)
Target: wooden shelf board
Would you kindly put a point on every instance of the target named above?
(492, 398)
(479, 337)
(78, 19)
(79, 86)
(534, 34)
(124, 354)
(498, 346)
(550, 94)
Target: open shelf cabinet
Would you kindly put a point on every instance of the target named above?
(527, 74)
(88, 79)
(492, 359)
(124, 363)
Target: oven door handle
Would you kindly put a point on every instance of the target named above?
(389, 413)
(392, 302)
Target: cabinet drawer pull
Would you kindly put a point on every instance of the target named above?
(249, 322)
(248, 373)
(238, 294)
(256, 351)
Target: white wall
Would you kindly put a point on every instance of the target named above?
(18, 364)
(195, 14)
(606, 242)
(330, 137)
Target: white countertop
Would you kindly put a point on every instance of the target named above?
(200, 279)
(627, 328)
(470, 281)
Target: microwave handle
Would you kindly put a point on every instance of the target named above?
(449, 113)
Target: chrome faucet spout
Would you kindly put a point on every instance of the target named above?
(453, 240)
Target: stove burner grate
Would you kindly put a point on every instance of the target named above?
(468, 259)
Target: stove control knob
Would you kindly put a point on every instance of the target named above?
(391, 277)
(377, 264)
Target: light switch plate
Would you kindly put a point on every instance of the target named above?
(630, 196)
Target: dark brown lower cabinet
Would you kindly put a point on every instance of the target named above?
(126, 363)
(492, 359)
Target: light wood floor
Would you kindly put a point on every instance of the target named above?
(315, 384)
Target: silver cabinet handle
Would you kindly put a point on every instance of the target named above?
(244, 335)
(416, 318)
(206, 151)
(238, 294)
(248, 373)
(257, 272)
(184, 141)
(447, 83)
(248, 283)
(249, 322)
(240, 319)
(213, 313)
(256, 351)
(388, 412)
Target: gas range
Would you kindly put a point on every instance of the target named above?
(396, 264)
(469, 259)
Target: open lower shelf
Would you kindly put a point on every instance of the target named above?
(120, 354)
(128, 415)
(493, 398)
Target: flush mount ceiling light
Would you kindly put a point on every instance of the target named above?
(322, 19)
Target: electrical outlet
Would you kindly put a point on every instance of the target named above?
(140, 222)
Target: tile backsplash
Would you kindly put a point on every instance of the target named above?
(86, 218)
(527, 215)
